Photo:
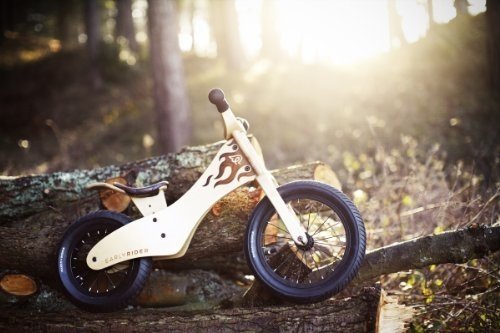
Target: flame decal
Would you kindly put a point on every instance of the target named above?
(234, 160)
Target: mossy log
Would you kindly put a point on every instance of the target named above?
(25, 196)
(55, 200)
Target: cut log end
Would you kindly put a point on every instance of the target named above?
(18, 285)
(391, 316)
(112, 200)
(325, 174)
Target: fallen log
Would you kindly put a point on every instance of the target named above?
(457, 247)
(29, 245)
(24, 196)
(27, 195)
(354, 314)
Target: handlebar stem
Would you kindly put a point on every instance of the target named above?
(231, 124)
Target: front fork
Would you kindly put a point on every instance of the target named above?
(266, 182)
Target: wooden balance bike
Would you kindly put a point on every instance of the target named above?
(305, 240)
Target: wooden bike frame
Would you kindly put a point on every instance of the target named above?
(166, 232)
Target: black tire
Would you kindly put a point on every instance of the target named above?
(103, 290)
(328, 262)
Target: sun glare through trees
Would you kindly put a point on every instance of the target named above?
(339, 32)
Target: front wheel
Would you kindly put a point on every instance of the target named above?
(333, 253)
(102, 290)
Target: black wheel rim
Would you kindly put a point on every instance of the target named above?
(312, 264)
(101, 282)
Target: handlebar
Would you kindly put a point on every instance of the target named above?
(216, 97)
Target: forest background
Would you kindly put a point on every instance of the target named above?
(400, 98)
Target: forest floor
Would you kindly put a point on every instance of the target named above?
(413, 136)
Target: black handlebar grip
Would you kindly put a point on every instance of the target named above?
(216, 97)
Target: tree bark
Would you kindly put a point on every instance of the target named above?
(354, 314)
(493, 45)
(93, 30)
(173, 115)
(24, 196)
(456, 247)
(125, 24)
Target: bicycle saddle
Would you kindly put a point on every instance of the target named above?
(146, 191)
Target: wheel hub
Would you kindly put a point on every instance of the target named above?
(309, 244)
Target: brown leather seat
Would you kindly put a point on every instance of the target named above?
(146, 191)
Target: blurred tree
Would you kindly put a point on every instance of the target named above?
(493, 40)
(224, 22)
(67, 29)
(125, 24)
(12, 13)
(430, 12)
(395, 28)
(170, 96)
(462, 7)
(192, 13)
(271, 47)
(93, 30)
(3, 19)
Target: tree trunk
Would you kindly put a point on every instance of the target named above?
(462, 7)
(354, 314)
(430, 12)
(171, 104)
(93, 30)
(125, 24)
(271, 46)
(67, 30)
(224, 22)
(493, 45)
(4, 5)
(396, 34)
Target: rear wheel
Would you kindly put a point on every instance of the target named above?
(102, 290)
(330, 258)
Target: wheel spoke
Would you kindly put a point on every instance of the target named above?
(94, 282)
(300, 266)
(269, 223)
(319, 228)
(334, 236)
(110, 280)
(283, 262)
(278, 236)
(314, 261)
